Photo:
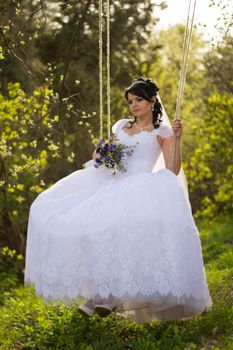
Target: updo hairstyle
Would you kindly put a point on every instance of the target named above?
(146, 89)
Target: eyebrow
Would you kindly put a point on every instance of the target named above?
(130, 99)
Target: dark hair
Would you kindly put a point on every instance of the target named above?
(146, 89)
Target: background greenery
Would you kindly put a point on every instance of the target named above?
(48, 121)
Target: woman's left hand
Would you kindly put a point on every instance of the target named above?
(177, 127)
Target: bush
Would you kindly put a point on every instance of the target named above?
(210, 169)
(11, 266)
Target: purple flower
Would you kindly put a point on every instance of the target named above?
(112, 155)
(100, 142)
(112, 147)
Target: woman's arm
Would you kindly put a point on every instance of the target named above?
(166, 145)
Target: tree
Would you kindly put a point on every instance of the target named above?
(65, 36)
(31, 142)
(218, 66)
(165, 71)
(56, 43)
(210, 171)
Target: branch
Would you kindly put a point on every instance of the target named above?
(217, 73)
(25, 66)
(33, 13)
(70, 46)
(28, 69)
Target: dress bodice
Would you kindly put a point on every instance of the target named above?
(146, 147)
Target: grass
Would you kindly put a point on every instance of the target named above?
(32, 324)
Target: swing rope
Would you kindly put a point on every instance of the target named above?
(108, 68)
(186, 50)
(101, 67)
(108, 100)
(183, 71)
(182, 77)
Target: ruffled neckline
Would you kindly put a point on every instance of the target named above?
(138, 133)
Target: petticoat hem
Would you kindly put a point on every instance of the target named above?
(141, 308)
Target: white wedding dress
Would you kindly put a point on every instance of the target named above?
(130, 235)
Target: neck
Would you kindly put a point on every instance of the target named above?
(144, 120)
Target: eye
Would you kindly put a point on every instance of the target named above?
(129, 102)
(139, 99)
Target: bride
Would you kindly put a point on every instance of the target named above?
(125, 242)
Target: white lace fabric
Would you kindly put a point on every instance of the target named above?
(131, 235)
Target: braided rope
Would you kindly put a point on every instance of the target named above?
(182, 64)
(107, 9)
(186, 50)
(108, 69)
(183, 71)
(101, 67)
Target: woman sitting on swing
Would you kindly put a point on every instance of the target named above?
(126, 241)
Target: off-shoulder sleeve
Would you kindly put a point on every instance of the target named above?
(118, 125)
(165, 131)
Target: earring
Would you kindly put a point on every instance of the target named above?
(153, 108)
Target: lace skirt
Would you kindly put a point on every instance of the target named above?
(92, 235)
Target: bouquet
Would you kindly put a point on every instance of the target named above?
(112, 155)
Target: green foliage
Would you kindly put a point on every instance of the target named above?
(210, 168)
(11, 267)
(34, 139)
(166, 71)
(29, 140)
(218, 67)
(64, 35)
(1, 53)
(32, 324)
(54, 57)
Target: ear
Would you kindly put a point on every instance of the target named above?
(154, 99)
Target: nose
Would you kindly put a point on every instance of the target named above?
(134, 103)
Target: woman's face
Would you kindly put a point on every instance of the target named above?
(138, 106)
